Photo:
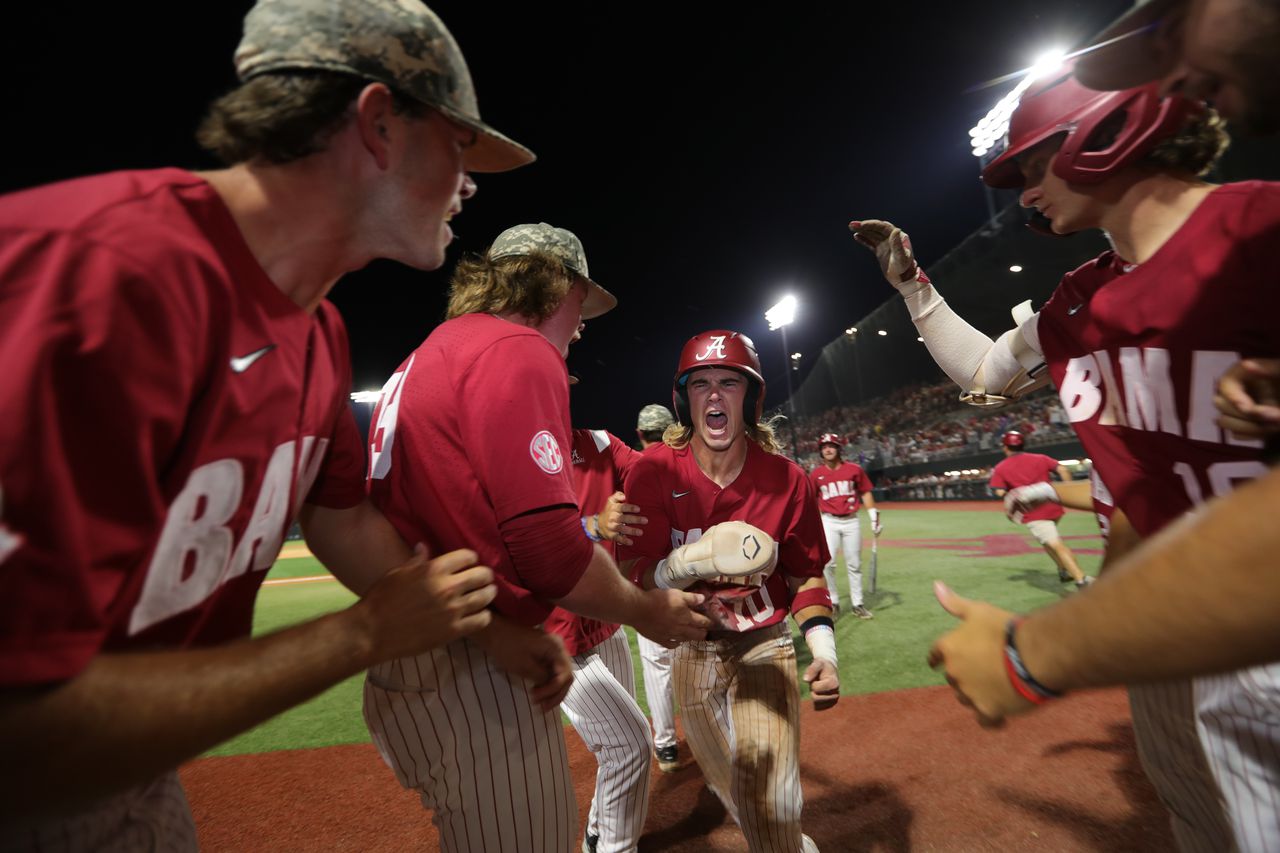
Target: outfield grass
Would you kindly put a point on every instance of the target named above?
(886, 653)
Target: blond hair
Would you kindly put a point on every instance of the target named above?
(531, 285)
(764, 433)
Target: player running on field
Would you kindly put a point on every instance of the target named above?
(1030, 473)
(175, 394)
(470, 446)
(842, 487)
(718, 497)
(1135, 341)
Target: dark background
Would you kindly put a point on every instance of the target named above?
(708, 157)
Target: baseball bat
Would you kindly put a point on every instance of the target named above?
(875, 553)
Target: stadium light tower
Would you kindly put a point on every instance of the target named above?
(780, 316)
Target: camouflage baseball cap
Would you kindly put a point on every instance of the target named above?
(398, 42)
(654, 417)
(563, 245)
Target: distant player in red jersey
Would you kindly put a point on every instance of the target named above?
(842, 487)
(470, 447)
(1135, 342)
(175, 394)
(721, 500)
(1029, 472)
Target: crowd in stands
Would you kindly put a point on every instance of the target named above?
(927, 422)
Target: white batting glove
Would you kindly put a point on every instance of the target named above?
(892, 248)
(874, 514)
(1023, 499)
(729, 552)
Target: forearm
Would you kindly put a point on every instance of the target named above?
(603, 593)
(1198, 598)
(1074, 495)
(129, 717)
(868, 500)
(358, 545)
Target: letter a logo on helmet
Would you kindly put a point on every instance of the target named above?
(714, 349)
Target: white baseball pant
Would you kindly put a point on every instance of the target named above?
(844, 536)
(741, 708)
(655, 668)
(153, 817)
(488, 763)
(602, 707)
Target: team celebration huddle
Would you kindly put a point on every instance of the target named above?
(496, 550)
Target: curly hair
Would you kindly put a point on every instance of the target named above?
(764, 433)
(1196, 148)
(282, 117)
(531, 285)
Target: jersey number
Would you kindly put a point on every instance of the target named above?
(1222, 477)
(384, 430)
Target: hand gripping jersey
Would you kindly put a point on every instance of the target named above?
(771, 493)
(600, 461)
(1135, 353)
(840, 490)
(166, 411)
(1024, 469)
(473, 430)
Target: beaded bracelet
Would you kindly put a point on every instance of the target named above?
(1019, 676)
(587, 530)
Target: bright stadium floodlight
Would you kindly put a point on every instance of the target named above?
(1016, 268)
(882, 333)
(365, 396)
(795, 356)
(852, 330)
(920, 339)
(993, 126)
(782, 314)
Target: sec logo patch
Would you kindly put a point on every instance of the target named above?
(546, 453)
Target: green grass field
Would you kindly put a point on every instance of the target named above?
(886, 653)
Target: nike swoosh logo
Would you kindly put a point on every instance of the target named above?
(676, 494)
(244, 362)
(1075, 308)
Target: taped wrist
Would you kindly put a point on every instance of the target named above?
(821, 640)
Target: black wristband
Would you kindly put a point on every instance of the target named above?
(1018, 668)
(814, 622)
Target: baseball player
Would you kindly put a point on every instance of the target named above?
(468, 448)
(601, 702)
(655, 659)
(1135, 341)
(1030, 472)
(842, 487)
(718, 493)
(175, 390)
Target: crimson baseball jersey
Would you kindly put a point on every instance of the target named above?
(840, 489)
(1135, 352)
(600, 462)
(771, 492)
(1025, 469)
(470, 432)
(166, 408)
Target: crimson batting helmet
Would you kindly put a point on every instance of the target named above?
(831, 438)
(1013, 439)
(1059, 104)
(725, 349)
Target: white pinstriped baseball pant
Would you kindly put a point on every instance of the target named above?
(655, 668)
(602, 707)
(741, 708)
(489, 764)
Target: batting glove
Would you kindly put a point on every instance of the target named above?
(892, 248)
(875, 521)
(729, 552)
(1023, 499)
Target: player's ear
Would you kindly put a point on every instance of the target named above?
(376, 121)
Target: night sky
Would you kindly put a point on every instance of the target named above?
(709, 163)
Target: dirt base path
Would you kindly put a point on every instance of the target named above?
(907, 770)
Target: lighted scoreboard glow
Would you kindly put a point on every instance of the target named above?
(995, 124)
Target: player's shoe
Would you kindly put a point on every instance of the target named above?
(668, 759)
(1088, 581)
(1064, 576)
(861, 612)
(835, 611)
(589, 843)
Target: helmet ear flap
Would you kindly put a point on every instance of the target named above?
(680, 403)
(751, 403)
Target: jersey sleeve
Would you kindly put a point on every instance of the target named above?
(623, 457)
(998, 480)
(518, 420)
(644, 486)
(802, 553)
(341, 481)
(101, 364)
(863, 481)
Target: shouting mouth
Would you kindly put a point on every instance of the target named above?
(717, 423)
